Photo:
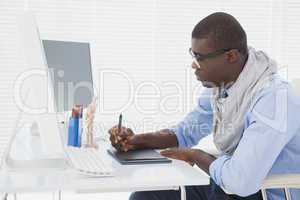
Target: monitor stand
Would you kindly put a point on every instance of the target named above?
(27, 148)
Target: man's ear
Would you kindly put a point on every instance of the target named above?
(232, 55)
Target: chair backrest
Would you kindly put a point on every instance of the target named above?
(296, 86)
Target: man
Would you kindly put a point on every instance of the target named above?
(251, 112)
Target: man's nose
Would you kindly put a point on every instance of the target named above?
(195, 65)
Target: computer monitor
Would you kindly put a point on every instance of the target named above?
(38, 96)
(46, 122)
(70, 68)
(29, 37)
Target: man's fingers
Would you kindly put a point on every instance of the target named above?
(129, 131)
(114, 134)
(115, 131)
(168, 153)
(112, 139)
(128, 147)
(112, 128)
(124, 136)
(172, 156)
(121, 140)
(175, 154)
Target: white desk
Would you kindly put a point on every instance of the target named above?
(127, 178)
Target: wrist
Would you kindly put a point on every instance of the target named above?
(138, 141)
(193, 155)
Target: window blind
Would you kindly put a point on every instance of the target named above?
(142, 47)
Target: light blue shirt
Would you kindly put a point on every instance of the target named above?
(270, 143)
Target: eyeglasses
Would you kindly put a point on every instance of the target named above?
(201, 57)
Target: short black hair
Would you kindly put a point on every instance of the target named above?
(224, 30)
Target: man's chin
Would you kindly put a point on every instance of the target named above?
(207, 84)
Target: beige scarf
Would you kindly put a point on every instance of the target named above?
(230, 112)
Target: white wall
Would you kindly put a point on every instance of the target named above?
(147, 41)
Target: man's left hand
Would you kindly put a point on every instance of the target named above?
(180, 154)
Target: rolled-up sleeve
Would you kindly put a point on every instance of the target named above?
(197, 124)
(215, 169)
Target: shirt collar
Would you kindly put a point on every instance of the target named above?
(224, 91)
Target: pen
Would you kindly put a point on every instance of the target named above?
(119, 127)
(120, 123)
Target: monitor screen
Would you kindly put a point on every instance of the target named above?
(70, 70)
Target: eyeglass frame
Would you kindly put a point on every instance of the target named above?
(199, 57)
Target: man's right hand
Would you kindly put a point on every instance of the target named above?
(122, 140)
